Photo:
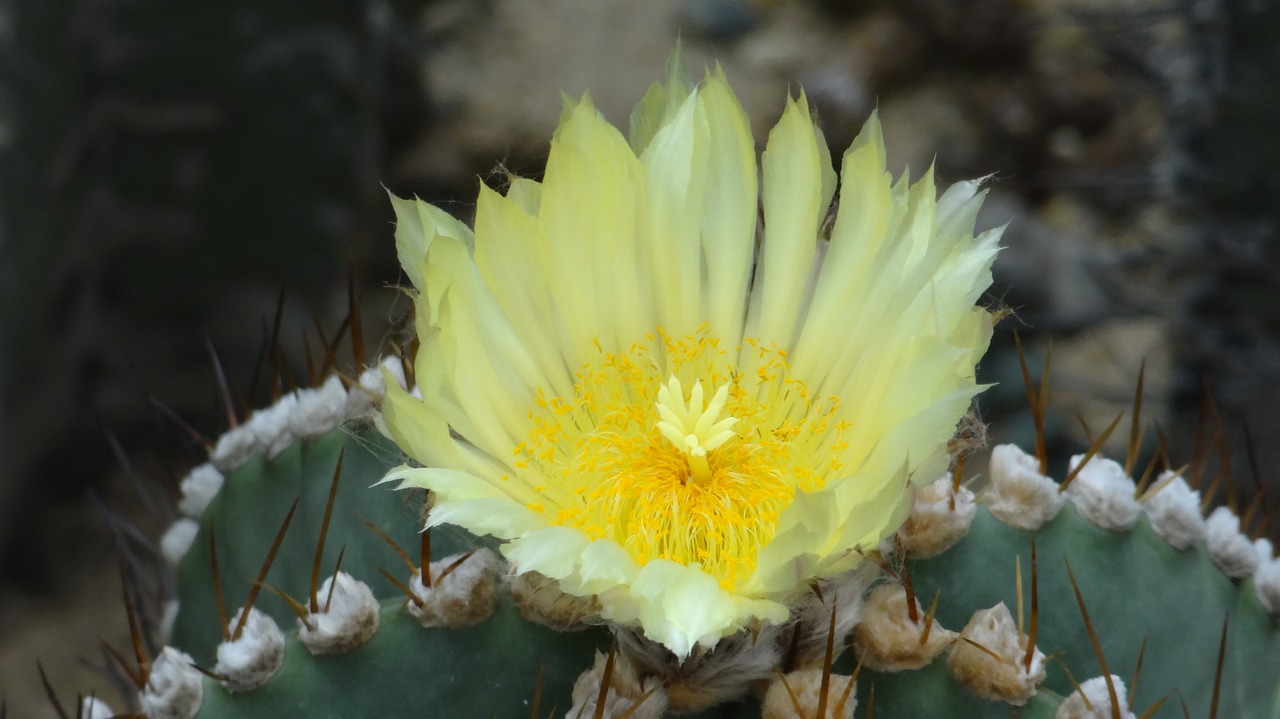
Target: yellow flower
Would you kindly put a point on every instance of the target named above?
(654, 401)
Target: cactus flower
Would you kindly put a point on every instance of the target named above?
(679, 392)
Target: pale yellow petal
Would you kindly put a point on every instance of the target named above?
(793, 210)
(591, 198)
(468, 501)
(494, 516)
(552, 551)
(417, 224)
(661, 103)
(857, 239)
(873, 504)
(730, 216)
(680, 606)
(490, 370)
(508, 258)
(450, 484)
(422, 431)
(792, 554)
(604, 564)
(675, 163)
(526, 193)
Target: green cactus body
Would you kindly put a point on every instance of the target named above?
(250, 507)
(1136, 587)
(1138, 590)
(492, 669)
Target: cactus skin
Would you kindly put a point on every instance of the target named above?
(493, 667)
(489, 670)
(250, 507)
(1134, 584)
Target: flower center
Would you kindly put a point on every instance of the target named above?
(630, 457)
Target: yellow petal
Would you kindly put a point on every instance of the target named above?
(417, 223)
(604, 564)
(491, 372)
(793, 209)
(591, 198)
(508, 258)
(675, 163)
(552, 551)
(729, 219)
(526, 193)
(681, 606)
(661, 103)
(857, 239)
(469, 501)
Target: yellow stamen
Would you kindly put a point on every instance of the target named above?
(677, 477)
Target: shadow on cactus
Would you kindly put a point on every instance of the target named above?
(688, 447)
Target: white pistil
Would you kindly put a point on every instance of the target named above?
(692, 427)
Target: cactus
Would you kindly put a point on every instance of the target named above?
(1143, 596)
(249, 507)
(1094, 596)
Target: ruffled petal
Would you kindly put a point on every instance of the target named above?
(681, 606)
(551, 551)
(604, 565)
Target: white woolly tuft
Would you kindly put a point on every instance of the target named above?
(369, 389)
(464, 596)
(177, 539)
(797, 695)
(940, 517)
(199, 488)
(887, 640)
(270, 426)
(248, 662)
(95, 708)
(1095, 695)
(1266, 586)
(1232, 551)
(1263, 548)
(626, 695)
(233, 448)
(1104, 494)
(319, 409)
(1008, 678)
(1018, 494)
(168, 617)
(175, 688)
(1174, 510)
(352, 617)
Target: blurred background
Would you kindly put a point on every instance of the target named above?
(170, 171)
